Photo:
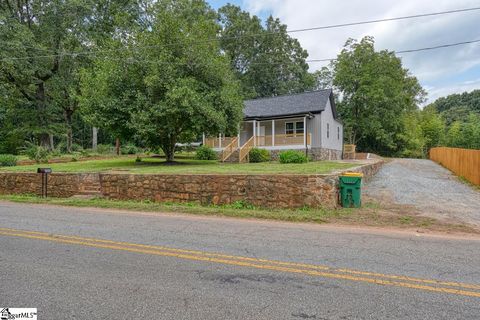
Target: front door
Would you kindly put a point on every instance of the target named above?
(261, 136)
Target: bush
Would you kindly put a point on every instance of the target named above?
(8, 160)
(129, 149)
(291, 156)
(37, 153)
(205, 153)
(61, 148)
(104, 148)
(259, 155)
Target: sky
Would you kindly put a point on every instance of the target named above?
(441, 72)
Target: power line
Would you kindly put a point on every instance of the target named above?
(439, 46)
(383, 20)
(411, 50)
(315, 60)
(81, 53)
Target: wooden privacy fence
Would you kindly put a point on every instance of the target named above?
(463, 162)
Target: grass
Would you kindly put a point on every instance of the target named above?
(372, 214)
(185, 166)
(238, 209)
(467, 182)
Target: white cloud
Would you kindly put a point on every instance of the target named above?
(467, 86)
(436, 66)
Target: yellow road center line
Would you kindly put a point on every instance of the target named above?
(282, 263)
(106, 244)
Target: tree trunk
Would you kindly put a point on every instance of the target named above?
(170, 156)
(45, 140)
(94, 138)
(169, 149)
(117, 146)
(44, 137)
(68, 119)
(52, 146)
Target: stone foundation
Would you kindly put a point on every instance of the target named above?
(315, 154)
(271, 191)
(324, 154)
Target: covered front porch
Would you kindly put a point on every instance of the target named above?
(272, 134)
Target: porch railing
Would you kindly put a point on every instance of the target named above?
(229, 149)
(245, 149)
(262, 141)
(283, 140)
(216, 142)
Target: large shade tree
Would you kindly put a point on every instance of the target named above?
(375, 91)
(266, 59)
(44, 45)
(168, 83)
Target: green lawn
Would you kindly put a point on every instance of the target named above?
(185, 166)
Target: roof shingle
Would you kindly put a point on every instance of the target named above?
(308, 102)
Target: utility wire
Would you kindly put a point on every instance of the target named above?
(383, 20)
(80, 53)
(308, 60)
(411, 50)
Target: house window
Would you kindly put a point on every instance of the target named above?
(328, 130)
(299, 127)
(338, 133)
(289, 129)
(293, 128)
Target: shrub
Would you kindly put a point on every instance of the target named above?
(56, 153)
(259, 155)
(8, 160)
(62, 148)
(129, 149)
(37, 153)
(104, 148)
(205, 153)
(291, 156)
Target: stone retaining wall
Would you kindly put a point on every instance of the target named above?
(272, 191)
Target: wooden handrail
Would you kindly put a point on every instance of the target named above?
(230, 149)
(283, 139)
(245, 149)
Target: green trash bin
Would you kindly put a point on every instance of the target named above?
(350, 190)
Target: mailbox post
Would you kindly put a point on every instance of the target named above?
(44, 172)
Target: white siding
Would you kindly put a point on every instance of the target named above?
(314, 127)
(331, 140)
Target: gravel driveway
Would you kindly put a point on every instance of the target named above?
(428, 187)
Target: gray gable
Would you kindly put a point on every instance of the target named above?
(302, 103)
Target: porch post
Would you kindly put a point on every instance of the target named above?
(220, 140)
(305, 131)
(238, 136)
(258, 129)
(255, 132)
(203, 138)
(273, 133)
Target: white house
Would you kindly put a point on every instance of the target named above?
(306, 121)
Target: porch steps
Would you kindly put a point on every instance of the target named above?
(233, 157)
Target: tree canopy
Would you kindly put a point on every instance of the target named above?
(171, 85)
(375, 93)
(266, 60)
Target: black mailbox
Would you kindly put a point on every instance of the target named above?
(44, 170)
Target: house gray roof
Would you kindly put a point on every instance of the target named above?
(293, 104)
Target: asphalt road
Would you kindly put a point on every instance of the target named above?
(96, 264)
